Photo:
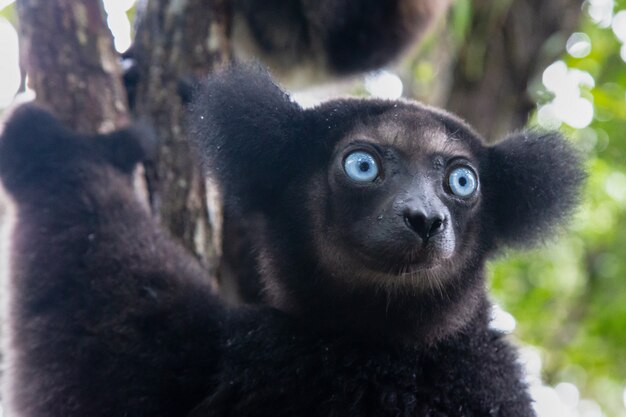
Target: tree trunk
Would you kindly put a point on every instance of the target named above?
(177, 40)
(504, 49)
(67, 51)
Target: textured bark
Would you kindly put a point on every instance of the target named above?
(67, 51)
(504, 49)
(176, 40)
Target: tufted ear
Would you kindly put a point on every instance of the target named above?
(533, 186)
(249, 132)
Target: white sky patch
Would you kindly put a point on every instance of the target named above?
(619, 26)
(306, 100)
(582, 78)
(384, 84)
(5, 3)
(563, 400)
(548, 403)
(615, 186)
(530, 359)
(9, 64)
(547, 117)
(502, 320)
(555, 79)
(568, 106)
(578, 45)
(601, 12)
(564, 81)
(589, 408)
(118, 22)
(568, 393)
(578, 112)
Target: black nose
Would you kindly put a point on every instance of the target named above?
(425, 225)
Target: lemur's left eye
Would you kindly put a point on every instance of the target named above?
(361, 166)
(462, 182)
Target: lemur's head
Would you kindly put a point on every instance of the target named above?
(393, 196)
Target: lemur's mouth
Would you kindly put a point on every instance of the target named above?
(413, 262)
(414, 268)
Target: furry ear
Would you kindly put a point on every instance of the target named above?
(250, 133)
(533, 185)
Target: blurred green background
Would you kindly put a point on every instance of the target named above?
(569, 297)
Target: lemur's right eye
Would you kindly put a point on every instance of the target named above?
(361, 166)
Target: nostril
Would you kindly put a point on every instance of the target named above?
(425, 226)
(436, 226)
(417, 222)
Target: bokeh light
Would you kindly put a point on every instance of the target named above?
(578, 45)
(502, 320)
(568, 105)
(600, 11)
(118, 22)
(619, 25)
(384, 84)
(562, 400)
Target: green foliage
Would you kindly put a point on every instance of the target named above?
(569, 297)
(461, 16)
(9, 13)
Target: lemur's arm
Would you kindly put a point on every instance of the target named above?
(108, 316)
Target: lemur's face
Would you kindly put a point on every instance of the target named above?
(401, 204)
(391, 196)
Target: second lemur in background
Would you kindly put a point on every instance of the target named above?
(309, 40)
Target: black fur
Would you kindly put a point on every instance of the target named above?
(336, 37)
(520, 193)
(107, 316)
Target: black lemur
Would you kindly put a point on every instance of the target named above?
(374, 222)
(312, 39)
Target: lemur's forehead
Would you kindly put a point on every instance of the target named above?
(414, 131)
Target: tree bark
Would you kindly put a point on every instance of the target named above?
(176, 40)
(504, 49)
(67, 51)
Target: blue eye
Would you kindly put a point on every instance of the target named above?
(462, 182)
(361, 166)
